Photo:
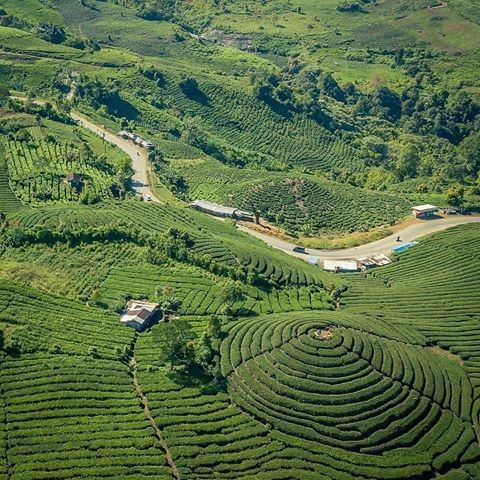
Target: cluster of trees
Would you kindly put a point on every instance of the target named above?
(352, 6)
(169, 176)
(444, 126)
(155, 9)
(105, 96)
(419, 109)
(153, 73)
(44, 110)
(180, 348)
(49, 32)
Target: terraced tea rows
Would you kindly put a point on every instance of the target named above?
(46, 322)
(8, 201)
(246, 123)
(201, 295)
(297, 203)
(208, 437)
(74, 272)
(224, 244)
(445, 289)
(38, 169)
(72, 417)
(356, 392)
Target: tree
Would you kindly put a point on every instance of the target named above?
(189, 86)
(209, 343)
(51, 33)
(4, 95)
(232, 292)
(208, 347)
(455, 195)
(93, 351)
(169, 303)
(470, 149)
(407, 162)
(387, 104)
(174, 340)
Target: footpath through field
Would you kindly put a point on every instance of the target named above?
(384, 245)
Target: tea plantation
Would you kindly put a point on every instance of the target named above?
(300, 204)
(326, 119)
(39, 158)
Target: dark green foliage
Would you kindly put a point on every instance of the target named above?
(97, 94)
(175, 345)
(51, 33)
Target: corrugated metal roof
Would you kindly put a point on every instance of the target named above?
(425, 208)
(345, 265)
(375, 260)
(213, 207)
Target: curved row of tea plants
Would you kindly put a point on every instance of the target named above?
(8, 201)
(40, 321)
(238, 119)
(201, 294)
(220, 241)
(39, 159)
(71, 417)
(297, 203)
(207, 436)
(381, 401)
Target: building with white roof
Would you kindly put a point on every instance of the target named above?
(139, 314)
(424, 211)
(341, 266)
(218, 210)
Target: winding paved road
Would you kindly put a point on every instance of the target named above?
(416, 230)
(137, 154)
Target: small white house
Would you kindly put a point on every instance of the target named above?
(338, 266)
(424, 211)
(139, 314)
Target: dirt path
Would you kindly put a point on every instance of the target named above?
(437, 7)
(384, 245)
(144, 402)
(138, 155)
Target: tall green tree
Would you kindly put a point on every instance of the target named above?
(456, 195)
(174, 342)
(232, 292)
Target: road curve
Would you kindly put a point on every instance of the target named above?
(384, 245)
(137, 154)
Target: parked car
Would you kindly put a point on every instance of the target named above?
(147, 198)
(299, 249)
(451, 211)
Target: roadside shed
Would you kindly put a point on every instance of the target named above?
(221, 211)
(339, 266)
(424, 211)
(373, 261)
